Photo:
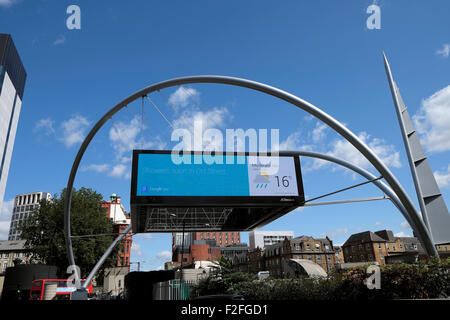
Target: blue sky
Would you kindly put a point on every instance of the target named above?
(321, 51)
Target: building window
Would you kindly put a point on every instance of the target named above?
(379, 246)
(308, 246)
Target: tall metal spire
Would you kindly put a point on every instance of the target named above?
(434, 211)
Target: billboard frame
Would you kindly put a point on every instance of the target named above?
(217, 201)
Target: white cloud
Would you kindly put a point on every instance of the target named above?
(402, 234)
(182, 97)
(136, 250)
(160, 268)
(74, 130)
(7, 3)
(61, 39)
(291, 142)
(405, 225)
(445, 52)
(126, 136)
(318, 133)
(344, 150)
(45, 125)
(443, 178)
(164, 255)
(118, 171)
(95, 167)
(213, 119)
(335, 233)
(6, 208)
(433, 119)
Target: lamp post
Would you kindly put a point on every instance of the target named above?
(182, 251)
(138, 263)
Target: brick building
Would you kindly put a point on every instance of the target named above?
(121, 220)
(319, 251)
(222, 239)
(202, 246)
(384, 248)
(365, 247)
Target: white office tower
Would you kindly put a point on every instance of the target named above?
(263, 239)
(12, 84)
(24, 205)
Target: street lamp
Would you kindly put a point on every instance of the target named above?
(182, 251)
(173, 215)
(139, 264)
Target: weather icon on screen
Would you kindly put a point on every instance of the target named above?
(261, 180)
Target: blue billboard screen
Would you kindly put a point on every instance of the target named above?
(235, 175)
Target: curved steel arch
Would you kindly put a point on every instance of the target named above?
(417, 223)
(366, 174)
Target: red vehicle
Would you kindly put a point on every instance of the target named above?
(58, 289)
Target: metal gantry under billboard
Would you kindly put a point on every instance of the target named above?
(196, 191)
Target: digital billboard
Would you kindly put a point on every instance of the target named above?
(161, 179)
(158, 175)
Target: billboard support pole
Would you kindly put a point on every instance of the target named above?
(105, 255)
(341, 129)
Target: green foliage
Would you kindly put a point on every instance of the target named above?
(223, 280)
(398, 281)
(44, 231)
(302, 288)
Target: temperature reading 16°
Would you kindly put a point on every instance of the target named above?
(284, 181)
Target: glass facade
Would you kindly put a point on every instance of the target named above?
(12, 84)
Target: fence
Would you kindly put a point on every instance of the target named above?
(173, 289)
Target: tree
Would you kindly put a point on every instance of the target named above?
(44, 232)
(222, 280)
